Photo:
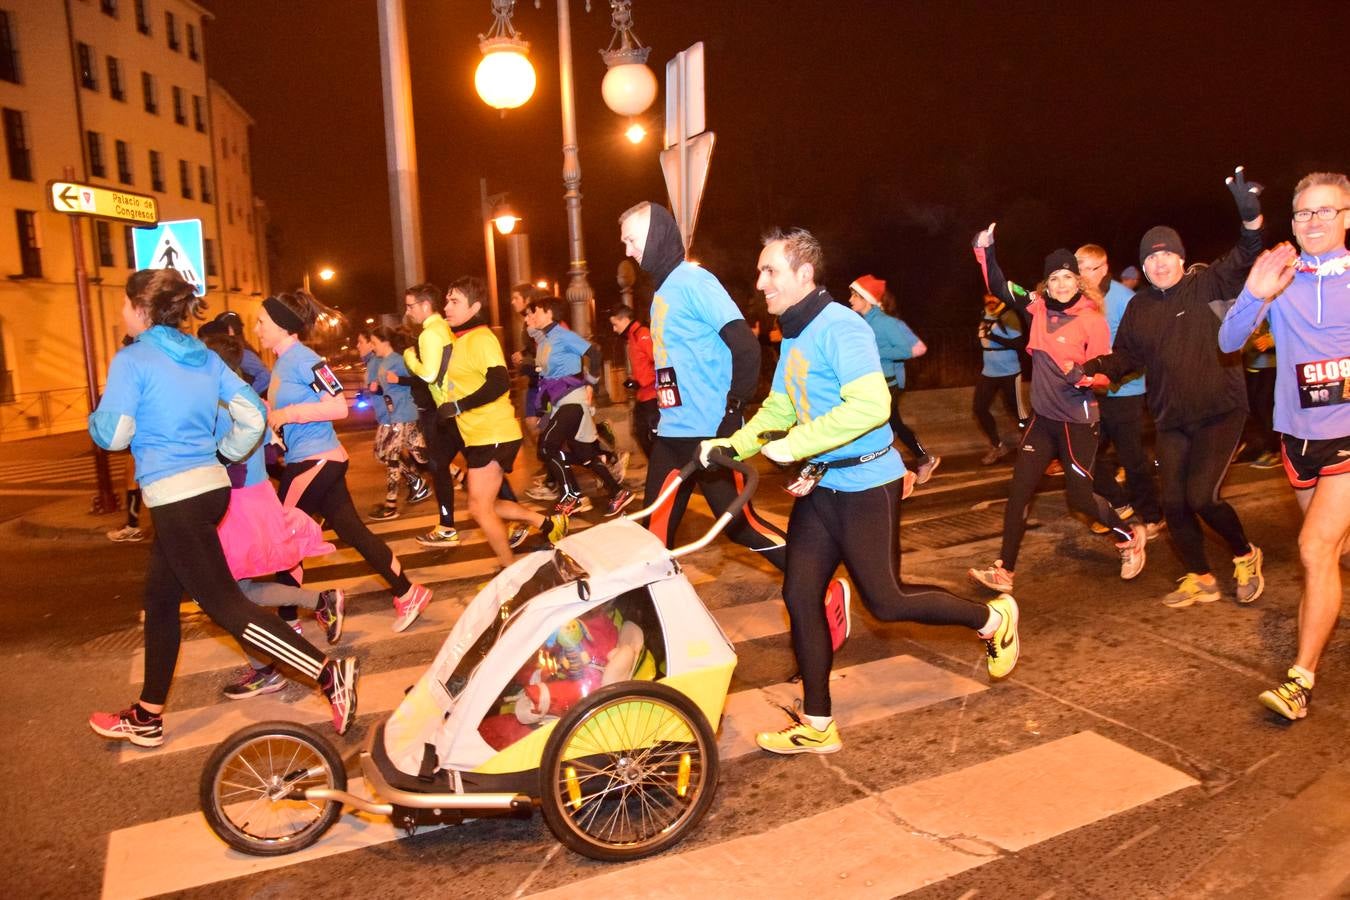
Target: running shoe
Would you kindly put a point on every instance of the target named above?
(254, 683)
(799, 737)
(1290, 699)
(1055, 468)
(383, 512)
(994, 454)
(341, 676)
(410, 606)
(571, 503)
(418, 491)
(1153, 529)
(130, 725)
(440, 536)
(906, 485)
(331, 612)
(541, 491)
(996, 578)
(517, 534)
(554, 528)
(1191, 590)
(1247, 571)
(838, 614)
(619, 468)
(619, 501)
(1124, 512)
(1003, 646)
(1133, 553)
(926, 467)
(1266, 460)
(125, 534)
(295, 625)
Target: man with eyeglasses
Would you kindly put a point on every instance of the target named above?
(1122, 413)
(1197, 396)
(1305, 296)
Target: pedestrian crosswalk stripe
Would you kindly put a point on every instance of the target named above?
(914, 835)
(380, 692)
(137, 865)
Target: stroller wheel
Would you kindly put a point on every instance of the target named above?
(252, 788)
(628, 771)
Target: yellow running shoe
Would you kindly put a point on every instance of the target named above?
(1247, 571)
(1289, 699)
(1003, 645)
(1191, 590)
(554, 528)
(799, 737)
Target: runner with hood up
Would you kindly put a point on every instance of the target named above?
(707, 370)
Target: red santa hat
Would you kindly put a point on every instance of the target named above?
(870, 288)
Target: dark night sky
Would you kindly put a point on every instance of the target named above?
(894, 130)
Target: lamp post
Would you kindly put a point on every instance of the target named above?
(326, 274)
(496, 214)
(505, 80)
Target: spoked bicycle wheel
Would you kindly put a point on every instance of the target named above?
(252, 788)
(628, 771)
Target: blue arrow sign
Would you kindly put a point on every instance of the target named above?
(174, 245)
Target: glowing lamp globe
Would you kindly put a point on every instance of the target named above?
(506, 223)
(505, 78)
(628, 88)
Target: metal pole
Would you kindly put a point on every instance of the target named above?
(682, 107)
(105, 501)
(399, 146)
(494, 301)
(306, 281)
(579, 293)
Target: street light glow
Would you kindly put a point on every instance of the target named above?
(370, 320)
(506, 222)
(505, 78)
(326, 274)
(542, 284)
(635, 133)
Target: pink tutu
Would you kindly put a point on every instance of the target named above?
(261, 537)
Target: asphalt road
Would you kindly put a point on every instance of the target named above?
(1127, 755)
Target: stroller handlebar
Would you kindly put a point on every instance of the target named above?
(717, 457)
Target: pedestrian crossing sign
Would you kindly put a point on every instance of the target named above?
(174, 245)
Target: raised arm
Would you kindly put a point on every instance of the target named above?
(994, 280)
(1271, 273)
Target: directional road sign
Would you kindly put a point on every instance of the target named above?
(77, 199)
(174, 245)
(688, 143)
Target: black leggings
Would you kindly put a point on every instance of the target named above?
(1193, 460)
(1261, 398)
(1074, 444)
(443, 442)
(903, 431)
(646, 417)
(719, 487)
(862, 530)
(319, 487)
(988, 387)
(559, 447)
(186, 558)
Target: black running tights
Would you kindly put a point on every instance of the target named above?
(986, 389)
(862, 530)
(1074, 444)
(186, 558)
(559, 447)
(903, 431)
(319, 487)
(1193, 460)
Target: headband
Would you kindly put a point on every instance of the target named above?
(283, 315)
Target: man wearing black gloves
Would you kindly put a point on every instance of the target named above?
(1196, 394)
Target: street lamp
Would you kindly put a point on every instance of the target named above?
(326, 274)
(496, 212)
(505, 80)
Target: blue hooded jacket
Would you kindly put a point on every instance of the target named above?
(161, 400)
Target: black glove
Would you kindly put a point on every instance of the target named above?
(732, 419)
(631, 384)
(1246, 194)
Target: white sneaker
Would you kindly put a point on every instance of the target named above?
(541, 491)
(1133, 553)
(620, 467)
(127, 533)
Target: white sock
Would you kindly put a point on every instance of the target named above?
(819, 723)
(1304, 674)
(991, 625)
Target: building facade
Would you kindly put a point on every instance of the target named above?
(114, 93)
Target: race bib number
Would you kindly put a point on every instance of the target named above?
(667, 388)
(1325, 383)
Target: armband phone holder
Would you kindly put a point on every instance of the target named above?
(325, 381)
